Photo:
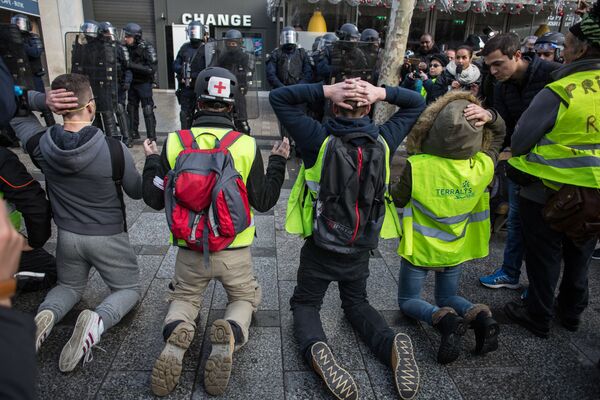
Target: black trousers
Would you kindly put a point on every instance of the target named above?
(545, 248)
(318, 268)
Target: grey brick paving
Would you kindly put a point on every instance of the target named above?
(269, 367)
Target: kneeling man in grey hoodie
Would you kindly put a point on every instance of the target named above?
(88, 211)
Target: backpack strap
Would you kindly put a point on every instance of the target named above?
(186, 138)
(32, 144)
(357, 135)
(229, 139)
(117, 160)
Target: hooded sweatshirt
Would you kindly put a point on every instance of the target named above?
(78, 171)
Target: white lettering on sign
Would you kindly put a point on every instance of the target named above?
(217, 19)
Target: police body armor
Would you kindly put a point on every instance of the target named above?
(351, 60)
(143, 62)
(289, 65)
(194, 61)
(12, 50)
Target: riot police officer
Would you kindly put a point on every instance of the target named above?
(288, 64)
(34, 48)
(94, 55)
(238, 62)
(372, 52)
(142, 63)
(549, 46)
(325, 42)
(190, 61)
(345, 58)
(124, 78)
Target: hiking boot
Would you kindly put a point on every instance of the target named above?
(596, 254)
(517, 312)
(44, 322)
(338, 381)
(218, 366)
(404, 366)
(86, 335)
(486, 328)
(167, 368)
(452, 327)
(499, 279)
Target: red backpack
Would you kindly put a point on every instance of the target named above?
(206, 200)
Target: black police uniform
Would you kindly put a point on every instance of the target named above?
(143, 62)
(190, 61)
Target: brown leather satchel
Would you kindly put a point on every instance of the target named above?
(574, 210)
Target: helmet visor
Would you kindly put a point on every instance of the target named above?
(110, 32)
(543, 47)
(195, 32)
(288, 37)
(22, 23)
(89, 29)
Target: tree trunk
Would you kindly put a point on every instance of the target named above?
(393, 55)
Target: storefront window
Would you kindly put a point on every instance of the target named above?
(299, 13)
(526, 24)
(450, 28)
(496, 22)
(417, 28)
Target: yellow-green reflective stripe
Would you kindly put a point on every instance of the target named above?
(572, 162)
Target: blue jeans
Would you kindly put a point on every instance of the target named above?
(514, 248)
(446, 286)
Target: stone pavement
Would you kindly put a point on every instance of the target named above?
(269, 367)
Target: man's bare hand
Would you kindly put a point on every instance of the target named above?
(281, 148)
(368, 93)
(505, 155)
(478, 114)
(150, 147)
(342, 91)
(455, 85)
(60, 101)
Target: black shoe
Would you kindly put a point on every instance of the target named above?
(517, 312)
(404, 365)
(596, 254)
(339, 381)
(568, 322)
(135, 135)
(452, 327)
(486, 333)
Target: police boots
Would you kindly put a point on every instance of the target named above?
(150, 121)
(134, 121)
(123, 124)
(185, 119)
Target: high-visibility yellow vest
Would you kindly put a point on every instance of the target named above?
(301, 204)
(243, 152)
(447, 220)
(570, 152)
(14, 215)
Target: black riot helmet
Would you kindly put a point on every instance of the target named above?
(315, 44)
(22, 22)
(196, 31)
(89, 28)
(348, 32)
(288, 36)
(550, 42)
(216, 85)
(134, 30)
(107, 30)
(369, 35)
(233, 39)
(327, 40)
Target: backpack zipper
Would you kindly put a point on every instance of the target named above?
(360, 162)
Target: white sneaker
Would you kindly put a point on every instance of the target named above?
(44, 322)
(86, 335)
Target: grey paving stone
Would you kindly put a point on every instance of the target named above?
(256, 372)
(496, 383)
(339, 332)
(133, 208)
(265, 270)
(263, 252)
(288, 255)
(154, 250)
(167, 267)
(136, 385)
(265, 231)
(267, 319)
(149, 229)
(144, 340)
(382, 289)
(306, 385)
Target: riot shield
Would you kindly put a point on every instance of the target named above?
(237, 57)
(96, 58)
(353, 60)
(12, 50)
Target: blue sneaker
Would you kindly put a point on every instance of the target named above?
(499, 279)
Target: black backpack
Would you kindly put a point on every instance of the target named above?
(350, 205)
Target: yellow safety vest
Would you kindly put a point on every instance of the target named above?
(14, 215)
(301, 204)
(243, 152)
(447, 220)
(570, 152)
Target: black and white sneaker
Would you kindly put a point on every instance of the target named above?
(404, 365)
(339, 381)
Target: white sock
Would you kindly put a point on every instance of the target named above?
(100, 327)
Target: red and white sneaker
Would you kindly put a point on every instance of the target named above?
(44, 322)
(86, 335)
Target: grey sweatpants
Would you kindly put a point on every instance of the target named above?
(115, 261)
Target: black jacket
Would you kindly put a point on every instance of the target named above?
(511, 98)
(263, 190)
(26, 194)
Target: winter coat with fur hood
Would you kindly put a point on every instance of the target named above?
(443, 131)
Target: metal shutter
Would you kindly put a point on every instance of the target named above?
(120, 12)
